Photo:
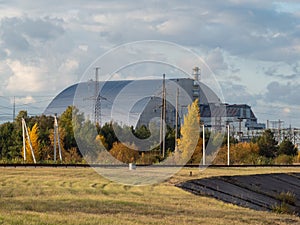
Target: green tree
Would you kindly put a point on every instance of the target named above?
(152, 135)
(6, 140)
(70, 118)
(22, 114)
(107, 131)
(170, 139)
(287, 147)
(267, 144)
(17, 135)
(142, 132)
(86, 139)
(46, 126)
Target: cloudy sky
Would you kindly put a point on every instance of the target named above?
(252, 46)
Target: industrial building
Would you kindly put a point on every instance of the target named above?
(140, 102)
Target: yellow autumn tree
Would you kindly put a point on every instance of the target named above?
(100, 140)
(33, 134)
(297, 157)
(244, 153)
(124, 153)
(240, 153)
(190, 134)
(198, 153)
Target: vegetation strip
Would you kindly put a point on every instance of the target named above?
(38, 165)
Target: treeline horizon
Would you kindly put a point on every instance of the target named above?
(92, 140)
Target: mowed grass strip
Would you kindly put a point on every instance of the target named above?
(81, 196)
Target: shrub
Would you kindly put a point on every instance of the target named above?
(282, 208)
(287, 147)
(221, 157)
(244, 153)
(241, 153)
(284, 159)
(287, 197)
(262, 160)
(149, 158)
(297, 158)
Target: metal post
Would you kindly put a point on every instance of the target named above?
(29, 141)
(59, 148)
(24, 140)
(57, 138)
(54, 141)
(228, 145)
(203, 140)
(14, 109)
(165, 121)
(176, 120)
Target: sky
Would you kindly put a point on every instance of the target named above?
(252, 47)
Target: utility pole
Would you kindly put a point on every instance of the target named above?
(24, 140)
(14, 109)
(176, 119)
(228, 145)
(56, 140)
(163, 118)
(240, 128)
(97, 98)
(203, 147)
(25, 133)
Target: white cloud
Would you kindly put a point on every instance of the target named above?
(83, 48)
(26, 78)
(286, 110)
(46, 46)
(70, 65)
(66, 74)
(216, 61)
(24, 100)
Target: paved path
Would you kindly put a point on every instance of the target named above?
(259, 192)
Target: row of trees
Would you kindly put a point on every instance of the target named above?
(78, 138)
(260, 151)
(127, 144)
(41, 132)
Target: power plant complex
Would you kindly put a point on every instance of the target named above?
(141, 102)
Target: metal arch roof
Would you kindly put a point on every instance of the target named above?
(117, 96)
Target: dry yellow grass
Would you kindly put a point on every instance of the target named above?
(81, 196)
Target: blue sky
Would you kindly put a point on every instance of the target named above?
(253, 47)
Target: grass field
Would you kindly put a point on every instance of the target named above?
(81, 196)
